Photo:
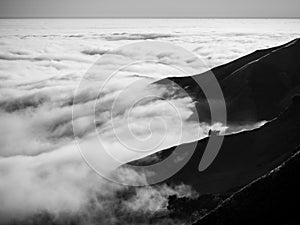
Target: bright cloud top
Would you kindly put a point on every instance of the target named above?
(41, 66)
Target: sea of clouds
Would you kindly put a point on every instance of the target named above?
(45, 63)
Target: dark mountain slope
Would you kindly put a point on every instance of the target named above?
(255, 87)
(223, 71)
(243, 157)
(272, 199)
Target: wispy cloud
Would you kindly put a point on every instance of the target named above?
(40, 166)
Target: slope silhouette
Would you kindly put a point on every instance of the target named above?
(256, 87)
(272, 199)
(260, 86)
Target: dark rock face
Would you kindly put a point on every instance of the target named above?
(264, 85)
(243, 157)
(256, 87)
(189, 210)
(272, 199)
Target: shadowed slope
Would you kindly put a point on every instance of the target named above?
(272, 199)
(243, 157)
(256, 87)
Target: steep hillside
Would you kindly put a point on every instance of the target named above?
(243, 157)
(256, 87)
(272, 199)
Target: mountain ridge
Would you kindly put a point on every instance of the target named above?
(265, 147)
(274, 188)
(262, 86)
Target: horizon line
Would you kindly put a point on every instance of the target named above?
(132, 17)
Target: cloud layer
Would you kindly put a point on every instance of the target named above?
(41, 66)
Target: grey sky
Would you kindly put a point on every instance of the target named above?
(150, 8)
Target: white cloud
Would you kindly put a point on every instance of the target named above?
(40, 69)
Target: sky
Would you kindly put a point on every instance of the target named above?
(151, 8)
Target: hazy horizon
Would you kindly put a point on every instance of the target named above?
(99, 17)
(149, 9)
(147, 17)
